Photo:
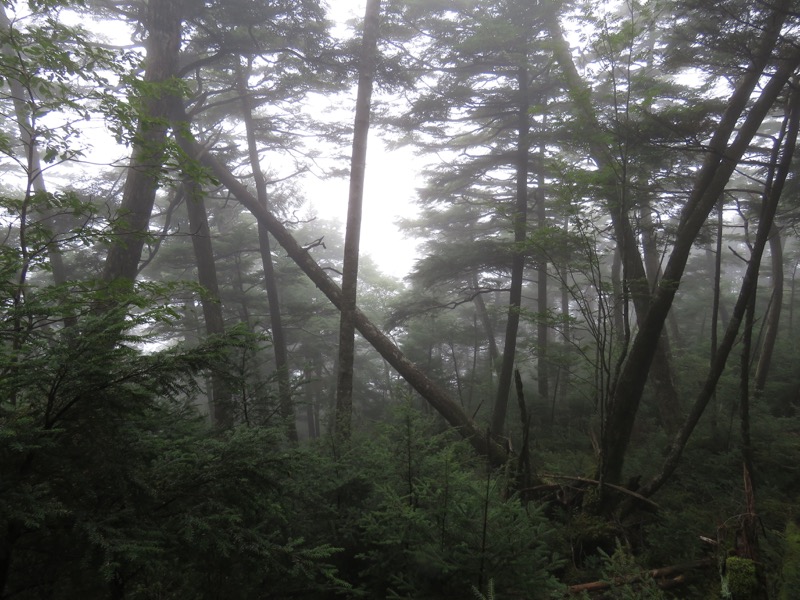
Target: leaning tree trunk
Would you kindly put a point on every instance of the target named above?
(347, 326)
(163, 22)
(438, 398)
(769, 207)
(721, 159)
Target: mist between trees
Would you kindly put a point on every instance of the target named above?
(586, 386)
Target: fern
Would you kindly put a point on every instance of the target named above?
(489, 592)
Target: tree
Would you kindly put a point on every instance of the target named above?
(366, 72)
(772, 194)
(489, 75)
(162, 19)
(710, 181)
(265, 247)
(616, 182)
(432, 393)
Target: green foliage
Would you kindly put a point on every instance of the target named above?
(111, 482)
(629, 581)
(57, 77)
(790, 573)
(489, 592)
(436, 528)
(739, 581)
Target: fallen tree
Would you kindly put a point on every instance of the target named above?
(665, 577)
(433, 393)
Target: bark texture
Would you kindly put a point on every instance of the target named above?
(163, 23)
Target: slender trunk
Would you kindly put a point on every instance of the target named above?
(416, 378)
(456, 374)
(220, 393)
(387, 374)
(238, 283)
(715, 305)
(565, 364)
(476, 344)
(542, 307)
(619, 298)
(747, 537)
(520, 225)
(773, 313)
(309, 393)
(163, 21)
(20, 91)
(286, 406)
(347, 326)
(488, 328)
(744, 382)
(792, 293)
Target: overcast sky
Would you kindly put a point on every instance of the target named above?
(389, 189)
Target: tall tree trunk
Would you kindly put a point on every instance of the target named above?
(619, 298)
(163, 22)
(666, 397)
(715, 304)
(456, 373)
(311, 422)
(774, 312)
(768, 209)
(220, 393)
(565, 363)
(520, 225)
(437, 397)
(279, 347)
(747, 536)
(792, 294)
(634, 274)
(542, 306)
(744, 384)
(347, 326)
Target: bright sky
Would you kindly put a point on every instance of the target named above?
(391, 178)
(389, 188)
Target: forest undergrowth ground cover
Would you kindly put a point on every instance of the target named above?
(112, 486)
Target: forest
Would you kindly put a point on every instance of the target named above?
(586, 386)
